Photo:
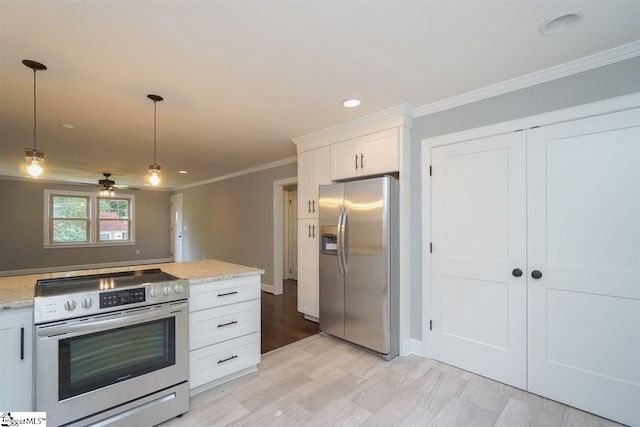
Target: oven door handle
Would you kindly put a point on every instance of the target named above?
(88, 327)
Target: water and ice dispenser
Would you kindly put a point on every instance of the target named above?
(329, 240)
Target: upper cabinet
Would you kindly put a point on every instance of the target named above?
(313, 170)
(372, 154)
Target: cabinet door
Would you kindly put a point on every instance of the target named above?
(479, 232)
(308, 271)
(345, 159)
(584, 238)
(313, 170)
(307, 172)
(379, 152)
(16, 358)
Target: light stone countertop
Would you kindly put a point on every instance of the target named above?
(17, 291)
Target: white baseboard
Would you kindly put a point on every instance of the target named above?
(268, 288)
(415, 347)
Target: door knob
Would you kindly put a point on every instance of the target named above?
(516, 272)
(536, 274)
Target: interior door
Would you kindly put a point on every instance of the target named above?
(478, 299)
(176, 227)
(584, 240)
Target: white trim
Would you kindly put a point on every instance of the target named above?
(259, 168)
(397, 116)
(278, 231)
(415, 347)
(82, 267)
(425, 200)
(586, 63)
(267, 288)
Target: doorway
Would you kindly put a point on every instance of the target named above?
(290, 238)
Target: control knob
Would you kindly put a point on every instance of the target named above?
(87, 302)
(166, 291)
(154, 292)
(178, 289)
(70, 305)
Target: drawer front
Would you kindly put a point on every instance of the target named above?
(223, 292)
(210, 363)
(219, 324)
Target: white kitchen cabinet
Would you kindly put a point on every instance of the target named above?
(535, 260)
(372, 154)
(308, 268)
(16, 359)
(224, 331)
(313, 170)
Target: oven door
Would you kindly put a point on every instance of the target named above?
(92, 364)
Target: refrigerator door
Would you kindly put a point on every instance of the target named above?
(367, 287)
(331, 279)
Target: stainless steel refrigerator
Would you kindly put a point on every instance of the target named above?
(359, 263)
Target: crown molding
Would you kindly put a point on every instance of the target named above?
(254, 169)
(586, 63)
(399, 115)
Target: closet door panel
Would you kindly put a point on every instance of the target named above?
(584, 238)
(479, 233)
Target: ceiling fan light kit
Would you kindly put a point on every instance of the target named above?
(107, 186)
(34, 159)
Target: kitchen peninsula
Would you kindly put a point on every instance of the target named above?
(220, 293)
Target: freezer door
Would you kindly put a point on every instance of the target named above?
(367, 292)
(331, 279)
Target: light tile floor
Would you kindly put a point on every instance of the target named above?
(321, 381)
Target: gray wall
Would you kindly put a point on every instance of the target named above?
(22, 217)
(232, 220)
(620, 78)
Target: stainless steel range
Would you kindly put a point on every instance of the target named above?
(112, 349)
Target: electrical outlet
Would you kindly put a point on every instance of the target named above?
(137, 251)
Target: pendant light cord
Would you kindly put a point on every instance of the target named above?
(35, 117)
(155, 127)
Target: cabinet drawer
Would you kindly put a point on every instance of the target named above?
(219, 324)
(210, 363)
(223, 292)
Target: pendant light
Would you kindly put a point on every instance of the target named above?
(34, 159)
(154, 169)
(107, 186)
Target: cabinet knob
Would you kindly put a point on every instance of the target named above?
(536, 274)
(516, 272)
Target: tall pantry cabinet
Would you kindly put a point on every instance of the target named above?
(313, 170)
(535, 263)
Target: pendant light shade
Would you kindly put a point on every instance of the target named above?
(154, 169)
(34, 159)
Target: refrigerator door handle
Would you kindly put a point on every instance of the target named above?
(339, 238)
(344, 234)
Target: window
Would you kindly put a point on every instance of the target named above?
(85, 219)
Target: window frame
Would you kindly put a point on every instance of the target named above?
(93, 220)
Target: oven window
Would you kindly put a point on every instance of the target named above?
(92, 361)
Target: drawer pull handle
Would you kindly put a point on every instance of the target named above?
(233, 322)
(22, 343)
(227, 293)
(227, 359)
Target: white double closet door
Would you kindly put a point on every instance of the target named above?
(560, 203)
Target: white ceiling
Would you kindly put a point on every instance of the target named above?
(242, 78)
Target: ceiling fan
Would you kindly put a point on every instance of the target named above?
(108, 186)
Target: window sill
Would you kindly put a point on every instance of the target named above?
(87, 245)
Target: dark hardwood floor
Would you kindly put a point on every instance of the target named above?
(282, 324)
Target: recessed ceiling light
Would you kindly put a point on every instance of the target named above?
(67, 125)
(350, 103)
(560, 23)
(182, 172)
